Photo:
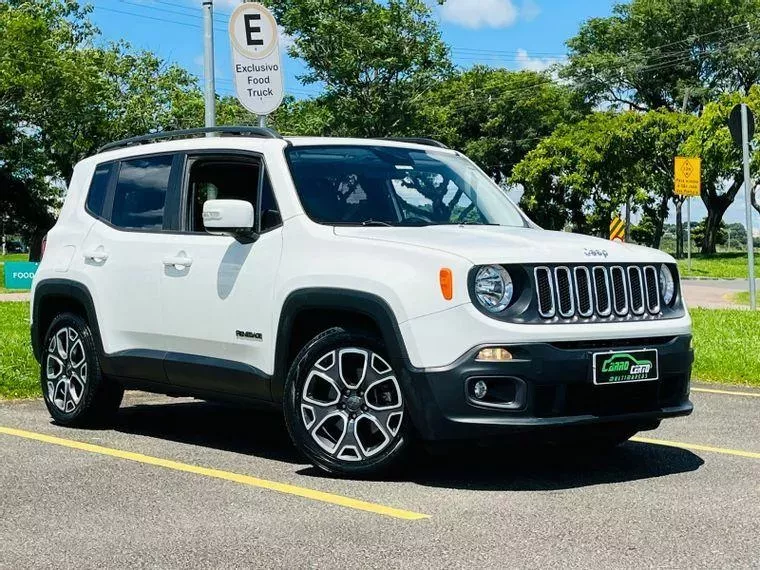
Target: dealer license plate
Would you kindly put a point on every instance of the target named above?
(625, 366)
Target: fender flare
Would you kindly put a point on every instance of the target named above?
(325, 298)
(65, 289)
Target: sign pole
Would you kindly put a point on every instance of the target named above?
(688, 182)
(209, 89)
(688, 230)
(748, 209)
(262, 121)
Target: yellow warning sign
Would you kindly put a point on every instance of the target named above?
(688, 176)
(617, 229)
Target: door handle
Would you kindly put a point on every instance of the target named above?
(178, 262)
(97, 255)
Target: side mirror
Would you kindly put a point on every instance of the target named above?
(229, 218)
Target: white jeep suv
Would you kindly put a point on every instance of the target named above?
(374, 290)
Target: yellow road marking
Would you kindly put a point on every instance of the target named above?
(729, 392)
(697, 447)
(225, 475)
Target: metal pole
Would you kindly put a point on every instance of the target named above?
(688, 229)
(4, 217)
(209, 90)
(748, 210)
(262, 120)
(628, 220)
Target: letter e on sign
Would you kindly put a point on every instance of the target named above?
(257, 69)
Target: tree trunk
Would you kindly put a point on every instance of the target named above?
(712, 225)
(717, 204)
(659, 222)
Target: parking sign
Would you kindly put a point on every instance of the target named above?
(257, 67)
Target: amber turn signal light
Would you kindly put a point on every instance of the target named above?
(447, 283)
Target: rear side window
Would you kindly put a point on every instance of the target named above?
(140, 195)
(96, 197)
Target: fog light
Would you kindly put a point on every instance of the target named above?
(494, 355)
(480, 389)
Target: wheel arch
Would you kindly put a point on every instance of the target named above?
(55, 296)
(313, 310)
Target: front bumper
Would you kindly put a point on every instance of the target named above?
(554, 388)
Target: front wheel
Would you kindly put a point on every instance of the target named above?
(344, 407)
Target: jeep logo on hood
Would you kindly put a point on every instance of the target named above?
(595, 253)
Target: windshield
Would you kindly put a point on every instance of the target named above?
(392, 186)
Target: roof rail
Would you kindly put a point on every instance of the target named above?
(417, 140)
(258, 132)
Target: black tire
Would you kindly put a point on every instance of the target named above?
(75, 391)
(347, 459)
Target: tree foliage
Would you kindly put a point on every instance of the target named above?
(375, 60)
(583, 174)
(649, 53)
(497, 116)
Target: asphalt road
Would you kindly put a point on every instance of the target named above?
(713, 293)
(180, 483)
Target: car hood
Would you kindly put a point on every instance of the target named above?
(500, 244)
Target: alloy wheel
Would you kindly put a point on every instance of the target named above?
(351, 404)
(66, 369)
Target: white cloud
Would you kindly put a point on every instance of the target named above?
(480, 13)
(524, 61)
(529, 10)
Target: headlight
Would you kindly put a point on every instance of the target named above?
(667, 284)
(493, 288)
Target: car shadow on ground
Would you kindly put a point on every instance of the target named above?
(510, 466)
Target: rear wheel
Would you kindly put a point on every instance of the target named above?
(344, 406)
(73, 386)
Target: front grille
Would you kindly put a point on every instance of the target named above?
(585, 292)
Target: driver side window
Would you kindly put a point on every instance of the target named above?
(229, 178)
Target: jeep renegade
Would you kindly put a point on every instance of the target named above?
(374, 290)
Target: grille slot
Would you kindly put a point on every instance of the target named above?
(545, 292)
(565, 301)
(619, 290)
(583, 295)
(601, 291)
(636, 283)
(653, 289)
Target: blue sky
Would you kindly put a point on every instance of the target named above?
(517, 34)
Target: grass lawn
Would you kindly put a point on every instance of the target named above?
(726, 346)
(719, 265)
(9, 257)
(18, 369)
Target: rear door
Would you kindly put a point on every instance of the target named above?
(123, 255)
(217, 298)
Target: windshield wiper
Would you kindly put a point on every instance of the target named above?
(366, 223)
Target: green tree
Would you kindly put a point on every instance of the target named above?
(497, 116)
(649, 53)
(721, 236)
(63, 95)
(584, 173)
(375, 60)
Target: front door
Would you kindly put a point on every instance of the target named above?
(216, 291)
